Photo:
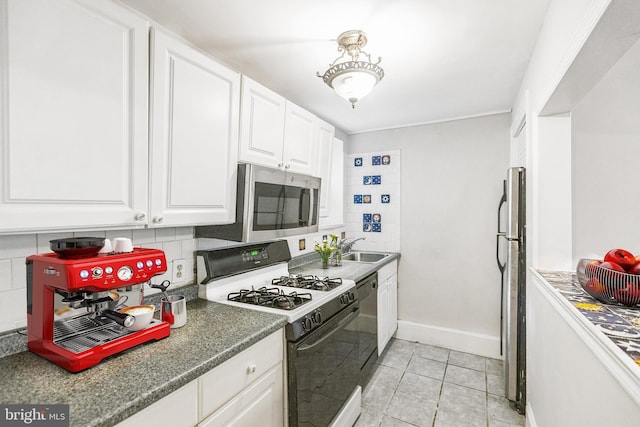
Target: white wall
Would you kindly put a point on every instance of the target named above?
(605, 155)
(567, 26)
(551, 246)
(449, 284)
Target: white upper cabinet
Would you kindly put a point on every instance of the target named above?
(275, 132)
(194, 136)
(261, 124)
(299, 140)
(330, 164)
(73, 109)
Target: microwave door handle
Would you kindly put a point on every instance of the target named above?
(280, 208)
(301, 207)
(312, 202)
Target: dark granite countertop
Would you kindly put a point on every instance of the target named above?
(348, 270)
(123, 385)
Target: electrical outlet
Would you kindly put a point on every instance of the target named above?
(178, 275)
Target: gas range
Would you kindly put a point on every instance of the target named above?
(256, 276)
(322, 330)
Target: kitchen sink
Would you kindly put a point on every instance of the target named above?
(364, 256)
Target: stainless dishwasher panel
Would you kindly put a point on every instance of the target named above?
(368, 325)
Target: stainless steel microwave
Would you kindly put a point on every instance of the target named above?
(270, 203)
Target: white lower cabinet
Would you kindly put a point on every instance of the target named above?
(387, 303)
(260, 404)
(179, 409)
(220, 386)
(245, 391)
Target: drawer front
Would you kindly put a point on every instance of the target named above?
(225, 381)
(177, 409)
(261, 404)
(387, 271)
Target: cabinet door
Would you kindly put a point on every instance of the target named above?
(261, 404)
(383, 317)
(261, 125)
(73, 103)
(179, 409)
(324, 157)
(194, 137)
(333, 189)
(392, 297)
(299, 140)
(220, 385)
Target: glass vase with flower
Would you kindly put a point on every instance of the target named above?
(325, 249)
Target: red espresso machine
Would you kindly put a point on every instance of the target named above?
(85, 283)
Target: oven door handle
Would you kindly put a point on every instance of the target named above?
(344, 321)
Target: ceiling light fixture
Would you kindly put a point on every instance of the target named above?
(352, 79)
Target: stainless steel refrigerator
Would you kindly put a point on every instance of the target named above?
(511, 258)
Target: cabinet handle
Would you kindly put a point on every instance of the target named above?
(140, 216)
(251, 369)
(158, 219)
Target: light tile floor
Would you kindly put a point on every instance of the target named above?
(421, 385)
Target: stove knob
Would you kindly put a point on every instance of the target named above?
(317, 317)
(344, 299)
(307, 324)
(352, 296)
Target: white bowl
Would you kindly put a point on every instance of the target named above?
(142, 313)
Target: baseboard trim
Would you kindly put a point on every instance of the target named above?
(530, 420)
(455, 339)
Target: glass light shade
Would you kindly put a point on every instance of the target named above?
(354, 85)
(352, 79)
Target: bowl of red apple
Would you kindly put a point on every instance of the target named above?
(614, 279)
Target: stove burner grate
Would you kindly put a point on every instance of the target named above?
(307, 282)
(270, 297)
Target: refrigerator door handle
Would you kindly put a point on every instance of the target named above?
(501, 265)
(503, 201)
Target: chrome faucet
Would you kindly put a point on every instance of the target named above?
(345, 247)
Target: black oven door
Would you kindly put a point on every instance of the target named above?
(323, 370)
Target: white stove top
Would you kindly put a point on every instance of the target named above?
(218, 290)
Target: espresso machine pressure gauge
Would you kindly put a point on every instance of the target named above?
(125, 273)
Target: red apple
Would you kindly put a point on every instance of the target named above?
(629, 295)
(590, 268)
(635, 269)
(595, 288)
(612, 266)
(624, 259)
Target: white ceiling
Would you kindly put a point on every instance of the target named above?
(443, 59)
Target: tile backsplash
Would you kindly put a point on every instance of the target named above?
(372, 199)
(177, 243)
